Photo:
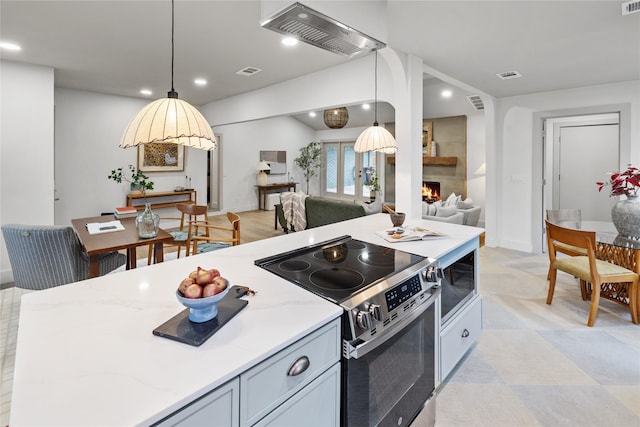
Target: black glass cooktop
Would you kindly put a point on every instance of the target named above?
(338, 268)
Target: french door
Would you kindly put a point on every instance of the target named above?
(347, 174)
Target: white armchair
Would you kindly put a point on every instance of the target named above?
(452, 210)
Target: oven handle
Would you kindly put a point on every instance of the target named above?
(349, 351)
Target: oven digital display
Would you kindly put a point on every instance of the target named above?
(402, 292)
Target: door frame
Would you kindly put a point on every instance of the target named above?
(539, 118)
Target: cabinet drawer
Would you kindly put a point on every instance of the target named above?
(316, 405)
(458, 336)
(265, 386)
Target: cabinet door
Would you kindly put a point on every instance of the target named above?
(219, 408)
(459, 334)
(316, 405)
(267, 385)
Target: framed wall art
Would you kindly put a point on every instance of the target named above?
(159, 157)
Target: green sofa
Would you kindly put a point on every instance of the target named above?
(322, 211)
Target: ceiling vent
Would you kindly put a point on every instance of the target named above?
(476, 101)
(317, 29)
(509, 75)
(629, 7)
(248, 71)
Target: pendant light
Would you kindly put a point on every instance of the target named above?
(376, 138)
(169, 120)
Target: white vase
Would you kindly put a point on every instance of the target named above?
(625, 215)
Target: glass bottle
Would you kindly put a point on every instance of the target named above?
(147, 223)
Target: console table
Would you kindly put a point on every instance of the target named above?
(264, 189)
(161, 199)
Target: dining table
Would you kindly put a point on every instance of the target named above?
(127, 239)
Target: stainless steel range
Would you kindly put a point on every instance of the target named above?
(389, 325)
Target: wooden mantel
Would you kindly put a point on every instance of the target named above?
(432, 161)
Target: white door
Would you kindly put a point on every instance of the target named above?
(346, 174)
(585, 154)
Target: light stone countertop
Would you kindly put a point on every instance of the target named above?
(86, 354)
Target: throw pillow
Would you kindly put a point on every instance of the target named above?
(451, 200)
(465, 204)
(446, 211)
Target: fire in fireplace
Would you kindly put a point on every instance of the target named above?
(430, 191)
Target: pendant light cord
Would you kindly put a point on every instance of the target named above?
(375, 96)
(173, 93)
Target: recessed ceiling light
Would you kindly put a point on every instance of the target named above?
(200, 82)
(312, 113)
(145, 92)
(366, 106)
(10, 46)
(289, 41)
(447, 93)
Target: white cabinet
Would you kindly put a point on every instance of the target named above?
(298, 386)
(217, 408)
(269, 384)
(459, 334)
(316, 405)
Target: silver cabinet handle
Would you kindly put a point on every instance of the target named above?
(298, 366)
(465, 333)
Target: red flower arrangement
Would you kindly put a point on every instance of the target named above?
(626, 183)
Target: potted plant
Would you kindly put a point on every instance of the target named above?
(625, 214)
(138, 181)
(310, 159)
(374, 186)
(147, 222)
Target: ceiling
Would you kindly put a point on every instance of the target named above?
(120, 47)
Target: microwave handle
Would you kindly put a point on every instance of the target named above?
(355, 352)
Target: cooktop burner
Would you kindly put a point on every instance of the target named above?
(338, 268)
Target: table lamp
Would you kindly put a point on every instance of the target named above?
(262, 176)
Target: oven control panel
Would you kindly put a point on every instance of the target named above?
(383, 309)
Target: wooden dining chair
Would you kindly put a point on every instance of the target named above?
(587, 268)
(569, 218)
(206, 237)
(189, 212)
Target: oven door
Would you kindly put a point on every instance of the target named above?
(388, 382)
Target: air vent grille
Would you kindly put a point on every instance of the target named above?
(248, 71)
(476, 101)
(506, 75)
(629, 7)
(304, 31)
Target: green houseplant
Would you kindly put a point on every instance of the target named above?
(138, 181)
(374, 186)
(147, 222)
(310, 160)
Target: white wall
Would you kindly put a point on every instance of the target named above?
(518, 149)
(89, 127)
(242, 143)
(26, 149)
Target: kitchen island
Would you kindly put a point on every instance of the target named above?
(86, 354)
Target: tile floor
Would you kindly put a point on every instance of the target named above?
(534, 364)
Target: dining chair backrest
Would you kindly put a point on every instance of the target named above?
(570, 218)
(45, 256)
(591, 272)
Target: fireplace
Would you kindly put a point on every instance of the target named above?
(430, 191)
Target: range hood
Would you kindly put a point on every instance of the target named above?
(319, 30)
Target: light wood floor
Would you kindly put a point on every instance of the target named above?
(254, 225)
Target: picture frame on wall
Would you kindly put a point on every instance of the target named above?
(159, 157)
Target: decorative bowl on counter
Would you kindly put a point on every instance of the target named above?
(202, 309)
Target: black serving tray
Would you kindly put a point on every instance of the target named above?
(180, 328)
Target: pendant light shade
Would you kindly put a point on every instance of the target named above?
(376, 138)
(336, 118)
(169, 120)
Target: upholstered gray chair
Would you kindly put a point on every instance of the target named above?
(45, 256)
